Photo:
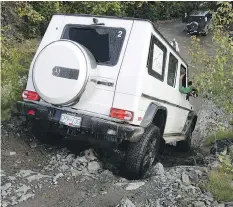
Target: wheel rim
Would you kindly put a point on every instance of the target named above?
(149, 157)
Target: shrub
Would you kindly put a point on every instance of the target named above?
(220, 135)
(220, 185)
(15, 64)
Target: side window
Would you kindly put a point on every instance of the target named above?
(183, 70)
(157, 59)
(172, 70)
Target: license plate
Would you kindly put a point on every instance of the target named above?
(69, 120)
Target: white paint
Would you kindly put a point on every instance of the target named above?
(129, 76)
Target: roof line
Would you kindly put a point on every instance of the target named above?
(128, 18)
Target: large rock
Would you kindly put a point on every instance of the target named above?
(221, 205)
(59, 175)
(185, 179)
(125, 203)
(199, 204)
(90, 155)
(134, 186)
(6, 186)
(158, 169)
(215, 165)
(93, 167)
(22, 190)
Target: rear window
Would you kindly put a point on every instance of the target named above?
(104, 43)
(195, 18)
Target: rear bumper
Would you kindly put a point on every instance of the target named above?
(195, 31)
(95, 127)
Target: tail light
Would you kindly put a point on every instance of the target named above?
(31, 95)
(31, 112)
(121, 114)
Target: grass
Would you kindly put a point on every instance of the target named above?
(220, 185)
(231, 122)
(221, 135)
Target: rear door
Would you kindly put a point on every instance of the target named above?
(107, 41)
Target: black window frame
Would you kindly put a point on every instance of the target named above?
(174, 83)
(151, 72)
(97, 26)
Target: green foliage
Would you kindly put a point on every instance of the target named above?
(221, 135)
(231, 122)
(34, 16)
(15, 67)
(226, 161)
(220, 185)
(214, 76)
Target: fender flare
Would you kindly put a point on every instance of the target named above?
(190, 122)
(151, 112)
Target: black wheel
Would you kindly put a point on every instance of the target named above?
(162, 145)
(40, 131)
(140, 156)
(185, 145)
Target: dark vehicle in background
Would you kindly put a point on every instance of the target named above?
(198, 22)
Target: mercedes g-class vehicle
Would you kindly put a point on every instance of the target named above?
(109, 79)
(198, 22)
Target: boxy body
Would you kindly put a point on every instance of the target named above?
(134, 88)
(131, 81)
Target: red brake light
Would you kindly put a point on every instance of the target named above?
(31, 112)
(31, 95)
(121, 114)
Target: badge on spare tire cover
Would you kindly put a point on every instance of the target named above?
(65, 72)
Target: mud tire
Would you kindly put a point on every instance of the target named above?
(136, 156)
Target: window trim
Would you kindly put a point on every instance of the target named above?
(96, 26)
(151, 72)
(186, 75)
(174, 83)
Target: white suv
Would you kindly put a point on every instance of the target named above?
(109, 78)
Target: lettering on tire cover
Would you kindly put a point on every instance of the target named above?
(63, 72)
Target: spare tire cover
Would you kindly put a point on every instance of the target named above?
(60, 72)
(193, 26)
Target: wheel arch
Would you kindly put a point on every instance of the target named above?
(190, 121)
(156, 114)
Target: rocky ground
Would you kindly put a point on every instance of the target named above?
(67, 174)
